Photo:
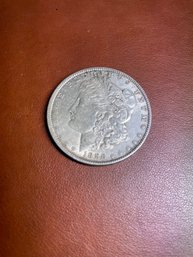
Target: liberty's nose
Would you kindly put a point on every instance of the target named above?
(73, 108)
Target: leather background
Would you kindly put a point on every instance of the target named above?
(52, 206)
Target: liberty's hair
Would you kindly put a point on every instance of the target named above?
(114, 107)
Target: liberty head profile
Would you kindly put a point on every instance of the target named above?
(100, 113)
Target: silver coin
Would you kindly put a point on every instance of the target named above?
(99, 116)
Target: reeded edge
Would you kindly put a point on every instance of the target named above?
(65, 150)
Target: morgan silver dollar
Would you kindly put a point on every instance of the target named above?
(99, 116)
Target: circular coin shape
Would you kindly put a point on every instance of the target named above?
(99, 116)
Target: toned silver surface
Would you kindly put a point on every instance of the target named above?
(99, 116)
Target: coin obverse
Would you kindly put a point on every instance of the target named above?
(99, 116)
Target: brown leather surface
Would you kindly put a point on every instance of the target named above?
(52, 206)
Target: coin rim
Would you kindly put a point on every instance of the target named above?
(55, 136)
